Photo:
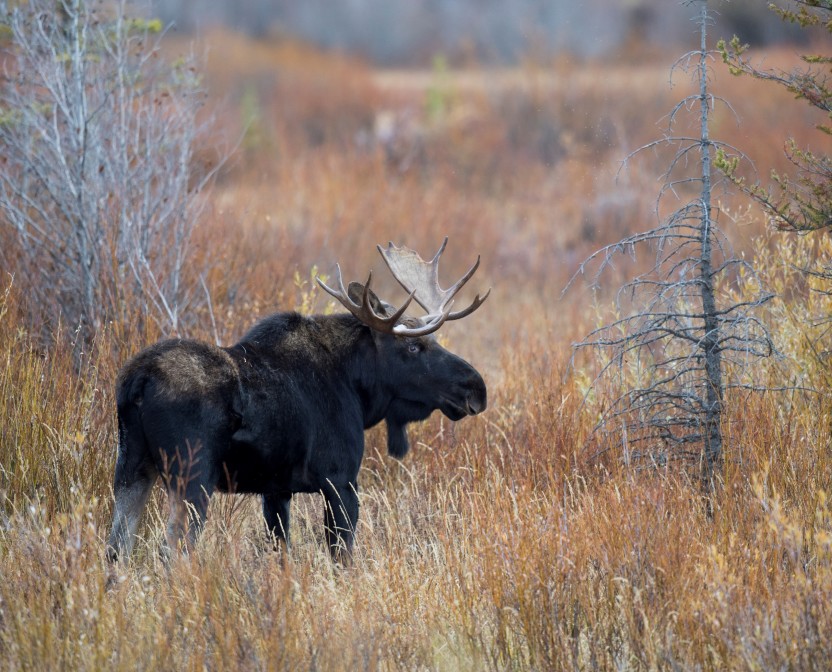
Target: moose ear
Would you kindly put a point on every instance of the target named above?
(356, 293)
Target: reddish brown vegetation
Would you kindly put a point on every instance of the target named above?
(498, 543)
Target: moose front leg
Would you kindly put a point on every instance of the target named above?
(340, 518)
(276, 514)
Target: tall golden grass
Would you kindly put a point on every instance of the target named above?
(499, 542)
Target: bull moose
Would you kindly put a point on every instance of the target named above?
(284, 410)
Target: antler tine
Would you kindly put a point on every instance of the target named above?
(435, 260)
(377, 319)
(470, 309)
(341, 295)
(459, 284)
(398, 314)
(365, 311)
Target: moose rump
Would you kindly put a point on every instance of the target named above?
(176, 406)
(284, 410)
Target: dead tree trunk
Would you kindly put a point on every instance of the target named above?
(712, 450)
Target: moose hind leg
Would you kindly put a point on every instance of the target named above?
(134, 478)
(130, 502)
(340, 517)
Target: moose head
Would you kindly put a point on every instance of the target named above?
(424, 375)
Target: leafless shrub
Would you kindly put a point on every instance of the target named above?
(98, 190)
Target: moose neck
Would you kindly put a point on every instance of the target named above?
(362, 364)
(356, 357)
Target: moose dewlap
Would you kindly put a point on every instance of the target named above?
(284, 410)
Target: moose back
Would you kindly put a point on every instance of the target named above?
(284, 410)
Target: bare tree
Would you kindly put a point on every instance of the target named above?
(681, 337)
(98, 188)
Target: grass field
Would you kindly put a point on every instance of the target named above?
(502, 541)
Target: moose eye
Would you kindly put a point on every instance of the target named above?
(414, 347)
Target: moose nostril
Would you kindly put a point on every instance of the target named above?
(476, 403)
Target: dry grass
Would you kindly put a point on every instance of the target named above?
(498, 543)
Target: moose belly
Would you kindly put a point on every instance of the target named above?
(253, 468)
(259, 468)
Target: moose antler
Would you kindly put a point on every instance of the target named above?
(383, 323)
(421, 279)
